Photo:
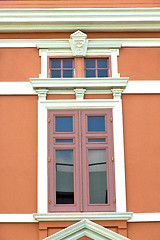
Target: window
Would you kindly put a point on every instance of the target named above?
(61, 68)
(81, 166)
(96, 68)
(91, 67)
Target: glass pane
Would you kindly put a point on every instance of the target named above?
(67, 63)
(64, 177)
(56, 63)
(96, 124)
(64, 140)
(55, 74)
(67, 73)
(90, 63)
(90, 73)
(96, 140)
(102, 63)
(64, 124)
(102, 73)
(97, 176)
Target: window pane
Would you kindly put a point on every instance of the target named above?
(96, 124)
(56, 74)
(90, 64)
(67, 63)
(90, 73)
(97, 176)
(67, 73)
(64, 177)
(56, 63)
(102, 63)
(64, 124)
(96, 140)
(64, 140)
(102, 73)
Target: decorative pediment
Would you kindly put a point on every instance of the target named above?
(79, 42)
(86, 228)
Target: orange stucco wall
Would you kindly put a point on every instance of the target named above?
(141, 146)
(19, 231)
(19, 64)
(144, 231)
(18, 154)
(79, 3)
(139, 63)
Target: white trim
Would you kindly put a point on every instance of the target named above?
(50, 20)
(71, 83)
(63, 45)
(17, 218)
(118, 145)
(33, 218)
(79, 216)
(133, 87)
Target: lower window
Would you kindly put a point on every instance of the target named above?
(81, 160)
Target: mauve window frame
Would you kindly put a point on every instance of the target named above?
(49, 58)
(81, 174)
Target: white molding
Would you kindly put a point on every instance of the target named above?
(71, 83)
(86, 228)
(61, 46)
(17, 218)
(79, 216)
(118, 145)
(86, 19)
(79, 93)
(35, 217)
(145, 217)
(133, 87)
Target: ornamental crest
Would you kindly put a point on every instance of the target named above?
(78, 42)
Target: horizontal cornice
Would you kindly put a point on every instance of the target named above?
(68, 20)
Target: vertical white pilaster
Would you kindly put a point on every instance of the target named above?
(43, 55)
(114, 63)
(42, 153)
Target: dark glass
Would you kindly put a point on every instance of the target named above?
(90, 73)
(96, 139)
(97, 176)
(96, 124)
(67, 73)
(55, 74)
(64, 140)
(64, 124)
(67, 63)
(90, 63)
(56, 63)
(64, 177)
(102, 63)
(102, 73)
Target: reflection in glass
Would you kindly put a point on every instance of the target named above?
(67, 73)
(64, 140)
(102, 73)
(102, 63)
(55, 74)
(96, 139)
(97, 176)
(56, 63)
(64, 177)
(90, 63)
(96, 124)
(67, 63)
(90, 73)
(64, 124)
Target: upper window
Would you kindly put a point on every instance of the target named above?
(61, 68)
(96, 68)
(69, 68)
(81, 167)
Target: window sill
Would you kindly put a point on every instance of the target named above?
(72, 83)
(79, 216)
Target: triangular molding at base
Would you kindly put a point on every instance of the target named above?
(86, 228)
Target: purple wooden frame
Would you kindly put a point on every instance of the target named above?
(80, 146)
